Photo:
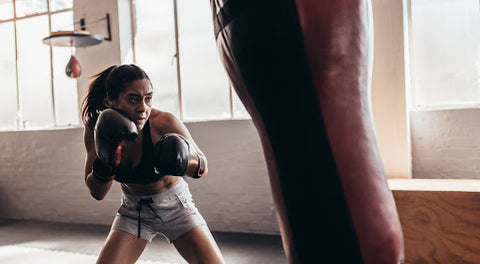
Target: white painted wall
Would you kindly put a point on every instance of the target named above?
(96, 58)
(41, 177)
(446, 144)
(388, 88)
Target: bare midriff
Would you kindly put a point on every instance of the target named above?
(159, 186)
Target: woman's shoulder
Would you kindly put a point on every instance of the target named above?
(161, 120)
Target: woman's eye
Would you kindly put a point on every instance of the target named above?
(148, 99)
(133, 100)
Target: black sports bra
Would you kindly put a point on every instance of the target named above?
(144, 173)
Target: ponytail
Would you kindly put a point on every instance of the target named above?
(95, 100)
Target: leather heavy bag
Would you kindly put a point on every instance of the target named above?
(302, 69)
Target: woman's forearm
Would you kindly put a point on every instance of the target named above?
(98, 189)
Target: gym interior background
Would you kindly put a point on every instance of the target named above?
(425, 98)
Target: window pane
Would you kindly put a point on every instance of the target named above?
(56, 5)
(125, 28)
(154, 51)
(204, 81)
(34, 72)
(6, 9)
(66, 98)
(62, 21)
(8, 89)
(28, 7)
(446, 52)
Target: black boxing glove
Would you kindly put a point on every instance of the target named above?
(112, 128)
(174, 155)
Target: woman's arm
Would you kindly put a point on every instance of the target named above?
(98, 189)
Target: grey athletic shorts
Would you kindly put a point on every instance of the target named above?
(171, 213)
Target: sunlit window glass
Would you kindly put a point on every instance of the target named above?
(239, 111)
(34, 72)
(204, 82)
(29, 7)
(8, 90)
(155, 50)
(446, 52)
(65, 88)
(125, 31)
(203, 91)
(6, 9)
(56, 5)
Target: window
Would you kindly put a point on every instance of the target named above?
(35, 90)
(189, 82)
(445, 53)
(8, 89)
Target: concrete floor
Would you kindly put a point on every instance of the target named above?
(43, 242)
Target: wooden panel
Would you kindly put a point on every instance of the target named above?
(440, 226)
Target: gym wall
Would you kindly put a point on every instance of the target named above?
(42, 178)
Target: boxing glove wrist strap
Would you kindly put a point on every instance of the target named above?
(103, 171)
(201, 167)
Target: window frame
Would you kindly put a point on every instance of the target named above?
(176, 57)
(20, 123)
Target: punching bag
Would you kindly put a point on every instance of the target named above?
(302, 68)
(73, 69)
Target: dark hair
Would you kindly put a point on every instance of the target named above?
(108, 84)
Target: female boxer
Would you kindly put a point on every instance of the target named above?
(144, 149)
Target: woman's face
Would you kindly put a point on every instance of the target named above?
(136, 101)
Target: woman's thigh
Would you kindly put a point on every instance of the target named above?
(198, 246)
(121, 248)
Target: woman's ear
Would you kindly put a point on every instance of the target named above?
(108, 103)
